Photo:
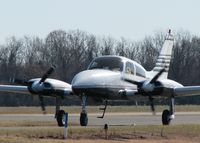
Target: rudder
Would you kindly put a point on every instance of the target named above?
(164, 58)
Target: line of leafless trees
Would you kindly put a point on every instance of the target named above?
(71, 52)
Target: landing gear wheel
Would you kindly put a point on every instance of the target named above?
(61, 118)
(83, 119)
(166, 117)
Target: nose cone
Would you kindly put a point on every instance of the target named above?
(95, 79)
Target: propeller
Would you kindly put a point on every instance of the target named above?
(147, 87)
(36, 87)
(41, 98)
(47, 74)
(44, 77)
(152, 105)
(155, 78)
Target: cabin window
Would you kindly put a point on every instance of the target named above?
(140, 72)
(129, 68)
(107, 63)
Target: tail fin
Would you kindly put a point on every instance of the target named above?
(163, 61)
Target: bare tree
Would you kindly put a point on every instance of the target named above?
(107, 46)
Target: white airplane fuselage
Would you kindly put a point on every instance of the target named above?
(106, 75)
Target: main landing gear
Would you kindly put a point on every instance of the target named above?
(60, 114)
(61, 118)
(168, 115)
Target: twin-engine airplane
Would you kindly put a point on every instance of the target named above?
(112, 78)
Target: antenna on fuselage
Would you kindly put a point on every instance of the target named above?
(169, 31)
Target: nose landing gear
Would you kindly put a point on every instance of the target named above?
(83, 119)
(83, 114)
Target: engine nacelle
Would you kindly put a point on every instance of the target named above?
(40, 88)
(147, 86)
(151, 88)
(64, 92)
(37, 87)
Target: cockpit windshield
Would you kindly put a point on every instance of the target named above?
(108, 63)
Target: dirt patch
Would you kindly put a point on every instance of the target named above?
(156, 133)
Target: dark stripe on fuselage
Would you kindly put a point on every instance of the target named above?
(165, 55)
(163, 58)
(162, 66)
(159, 62)
(158, 70)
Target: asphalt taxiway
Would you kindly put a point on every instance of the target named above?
(111, 118)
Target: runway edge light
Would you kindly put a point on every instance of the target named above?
(66, 126)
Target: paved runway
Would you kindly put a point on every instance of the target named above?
(112, 118)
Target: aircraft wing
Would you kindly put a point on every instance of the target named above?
(41, 86)
(187, 91)
(14, 89)
(56, 89)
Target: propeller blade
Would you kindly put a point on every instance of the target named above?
(134, 82)
(157, 76)
(152, 105)
(41, 98)
(47, 74)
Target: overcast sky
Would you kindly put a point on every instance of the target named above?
(132, 19)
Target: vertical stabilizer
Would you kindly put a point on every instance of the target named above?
(164, 58)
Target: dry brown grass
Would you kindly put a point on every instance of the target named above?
(175, 133)
(26, 140)
(26, 123)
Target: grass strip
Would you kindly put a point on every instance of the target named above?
(114, 132)
(95, 109)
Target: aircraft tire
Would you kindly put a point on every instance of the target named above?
(60, 118)
(83, 119)
(165, 117)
